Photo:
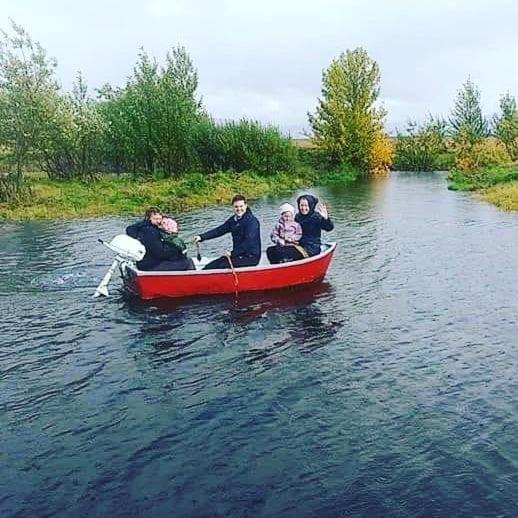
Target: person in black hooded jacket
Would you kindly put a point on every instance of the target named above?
(313, 218)
(246, 237)
(159, 254)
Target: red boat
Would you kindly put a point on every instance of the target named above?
(149, 285)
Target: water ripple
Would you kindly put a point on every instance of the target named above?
(388, 390)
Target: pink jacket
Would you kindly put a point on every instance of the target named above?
(290, 231)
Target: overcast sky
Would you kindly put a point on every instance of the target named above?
(264, 59)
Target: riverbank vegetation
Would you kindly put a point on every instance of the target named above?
(465, 142)
(151, 140)
(423, 147)
(497, 184)
(153, 127)
(478, 152)
(123, 196)
(153, 135)
(485, 151)
(504, 195)
(348, 126)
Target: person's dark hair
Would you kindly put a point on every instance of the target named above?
(151, 211)
(238, 197)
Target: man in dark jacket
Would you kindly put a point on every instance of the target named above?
(159, 255)
(246, 237)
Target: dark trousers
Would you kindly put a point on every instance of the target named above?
(238, 262)
(283, 254)
(178, 265)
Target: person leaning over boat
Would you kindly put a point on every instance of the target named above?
(313, 217)
(246, 237)
(159, 255)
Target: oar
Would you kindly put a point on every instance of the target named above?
(198, 254)
(236, 280)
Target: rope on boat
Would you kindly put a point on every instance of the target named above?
(301, 250)
(236, 280)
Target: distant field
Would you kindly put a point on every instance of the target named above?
(305, 143)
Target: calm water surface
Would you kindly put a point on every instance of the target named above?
(389, 390)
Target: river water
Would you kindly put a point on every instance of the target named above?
(389, 390)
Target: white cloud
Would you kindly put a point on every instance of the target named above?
(264, 59)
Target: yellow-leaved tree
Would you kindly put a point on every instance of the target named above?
(347, 124)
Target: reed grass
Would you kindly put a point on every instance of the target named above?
(504, 196)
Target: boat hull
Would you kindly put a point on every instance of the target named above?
(151, 285)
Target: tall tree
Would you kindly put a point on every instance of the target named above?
(153, 117)
(181, 112)
(28, 93)
(347, 124)
(506, 125)
(466, 119)
(73, 136)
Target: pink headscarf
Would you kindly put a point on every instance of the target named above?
(169, 225)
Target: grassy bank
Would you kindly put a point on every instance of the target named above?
(504, 196)
(483, 178)
(112, 196)
(498, 185)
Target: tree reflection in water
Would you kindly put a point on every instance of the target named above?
(261, 325)
(301, 317)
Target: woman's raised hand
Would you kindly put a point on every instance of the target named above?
(322, 210)
(196, 239)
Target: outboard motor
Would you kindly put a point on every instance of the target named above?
(126, 249)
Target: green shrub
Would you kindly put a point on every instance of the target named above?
(482, 178)
(244, 145)
(339, 175)
(472, 157)
(151, 123)
(422, 147)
